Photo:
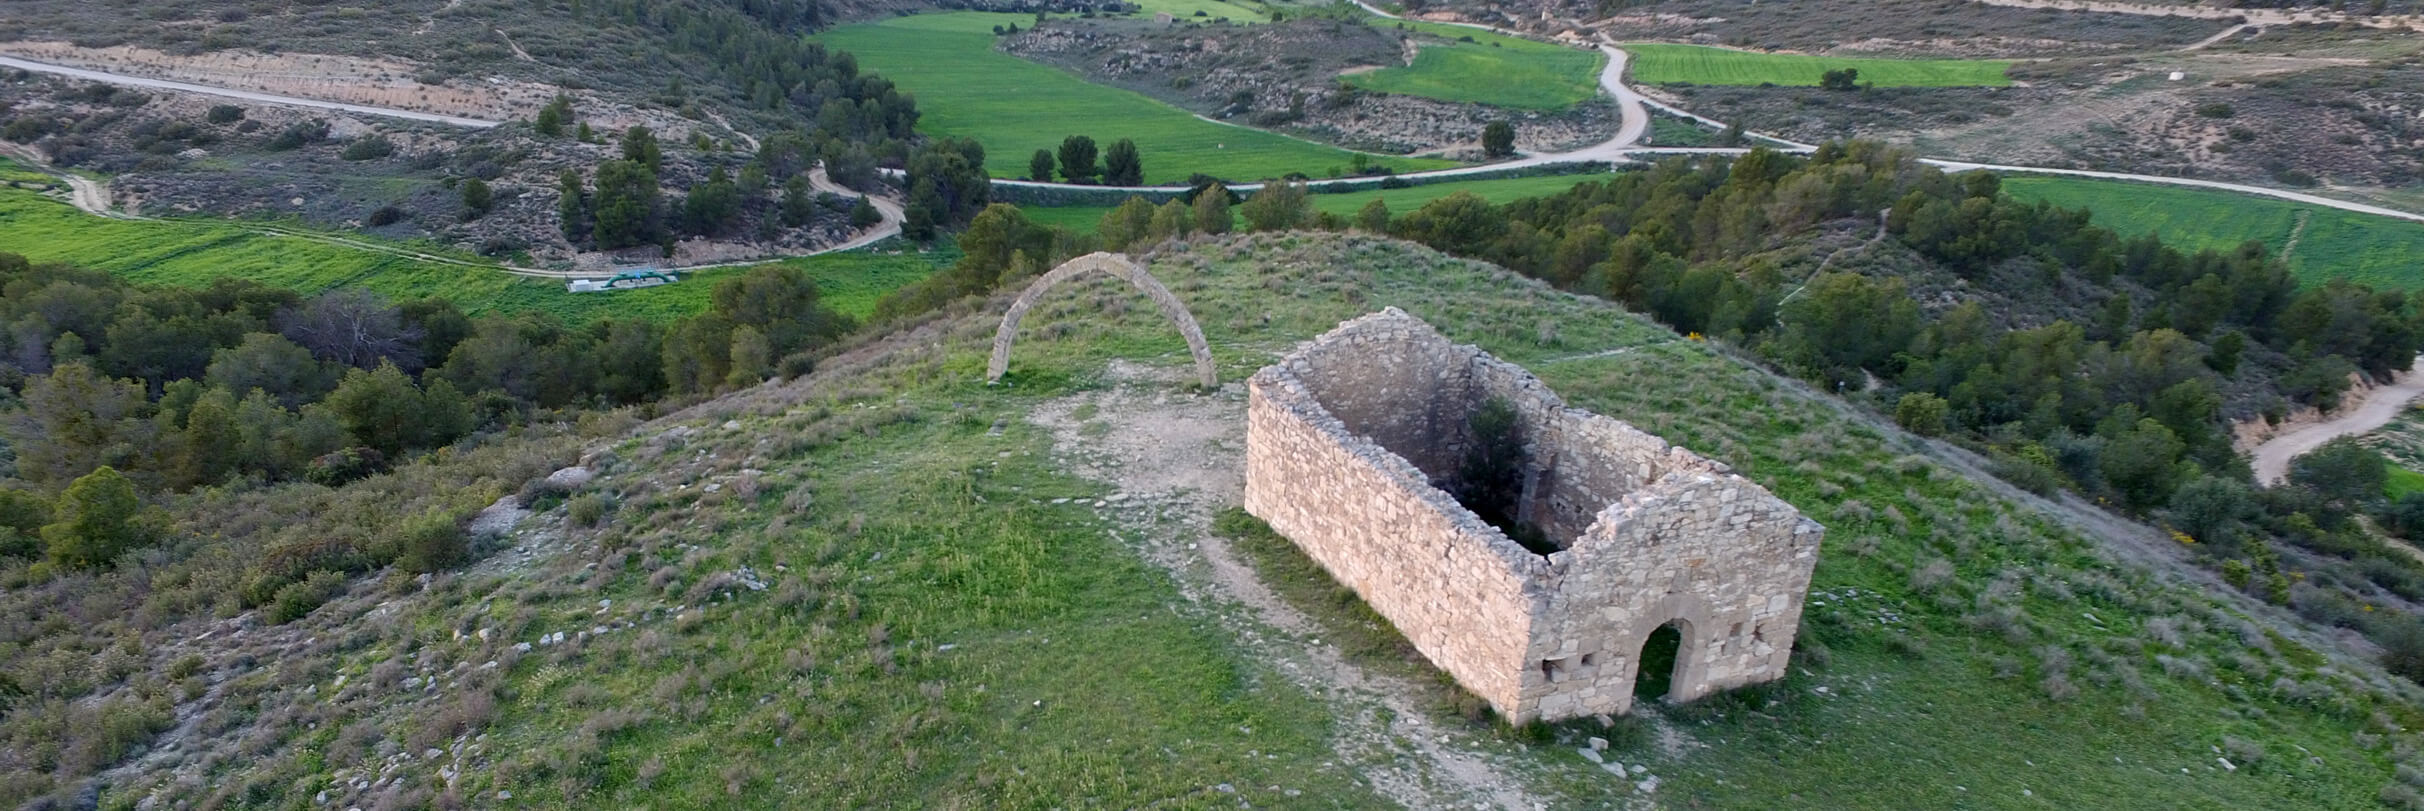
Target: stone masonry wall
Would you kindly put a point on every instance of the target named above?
(1344, 439)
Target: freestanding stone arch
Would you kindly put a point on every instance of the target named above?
(1125, 269)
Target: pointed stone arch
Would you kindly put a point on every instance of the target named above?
(1125, 269)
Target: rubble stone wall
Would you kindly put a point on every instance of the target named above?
(1346, 438)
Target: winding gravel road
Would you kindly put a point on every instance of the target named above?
(2380, 406)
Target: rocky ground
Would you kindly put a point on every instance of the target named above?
(1285, 76)
(1954, 28)
(2272, 121)
(168, 157)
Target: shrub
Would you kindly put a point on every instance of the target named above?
(298, 598)
(1922, 413)
(335, 469)
(384, 216)
(97, 519)
(224, 114)
(2216, 109)
(298, 135)
(2402, 642)
(1933, 575)
(431, 541)
(477, 197)
(586, 510)
(370, 148)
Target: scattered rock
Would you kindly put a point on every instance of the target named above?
(498, 518)
(571, 478)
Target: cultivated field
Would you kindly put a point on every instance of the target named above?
(194, 252)
(1500, 190)
(1491, 69)
(1239, 12)
(1014, 107)
(2329, 243)
(1662, 63)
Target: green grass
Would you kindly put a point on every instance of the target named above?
(1666, 131)
(1492, 69)
(2336, 244)
(1184, 10)
(1662, 63)
(193, 252)
(1498, 190)
(2402, 482)
(1014, 107)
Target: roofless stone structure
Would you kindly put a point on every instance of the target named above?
(1353, 442)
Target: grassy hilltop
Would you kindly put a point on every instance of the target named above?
(786, 622)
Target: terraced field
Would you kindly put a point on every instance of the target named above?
(1664, 63)
(1478, 66)
(194, 252)
(2333, 244)
(1015, 107)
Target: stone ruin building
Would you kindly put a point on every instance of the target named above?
(1352, 442)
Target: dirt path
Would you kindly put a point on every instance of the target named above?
(2379, 407)
(1177, 459)
(2224, 34)
(2296, 233)
(518, 53)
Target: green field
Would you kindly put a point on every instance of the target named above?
(2335, 244)
(1501, 190)
(1661, 63)
(1014, 107)
(1185, 10)
(196, 251)
(1492, 69)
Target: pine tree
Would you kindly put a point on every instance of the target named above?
(95, 521)
(1122, 166)
(1212, 210)
(1077, 159)
(572, 205)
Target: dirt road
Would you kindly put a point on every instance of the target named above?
(2379, 407)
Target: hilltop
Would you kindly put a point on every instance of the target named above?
(1064, 606)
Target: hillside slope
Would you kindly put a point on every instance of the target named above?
(889, 583)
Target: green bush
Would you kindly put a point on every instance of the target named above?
(97, 519)
(431, 541)
(586, 510)
(298, 135)
(337, 468)
(371, 148)
(299, 598)
(2402, 644)
(225, 114)
(1922, 413)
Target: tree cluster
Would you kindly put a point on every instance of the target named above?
(1121, 166)
(172, 388)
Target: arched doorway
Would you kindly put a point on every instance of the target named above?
(1661, 661)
